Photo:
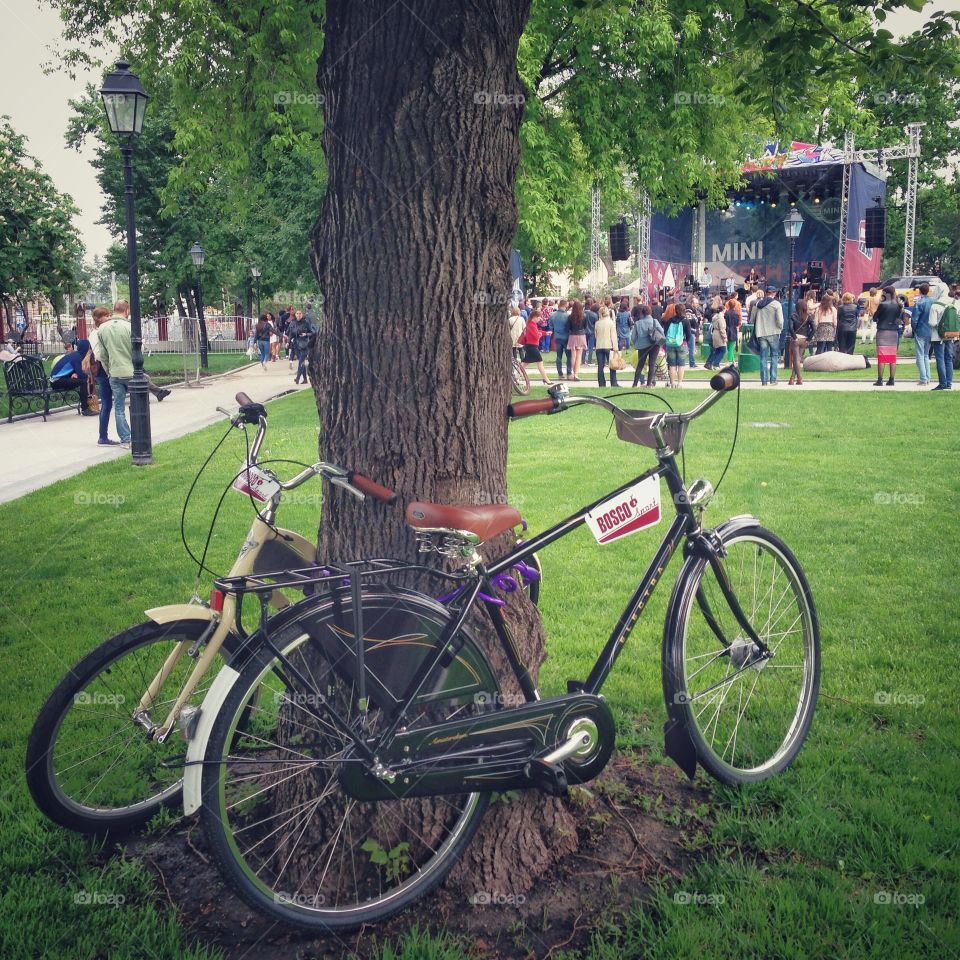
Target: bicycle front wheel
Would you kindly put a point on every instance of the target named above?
(90, 766)
(748, 715)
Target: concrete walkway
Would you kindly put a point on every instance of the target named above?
(35, 454)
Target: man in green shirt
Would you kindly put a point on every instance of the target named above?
(115, 352)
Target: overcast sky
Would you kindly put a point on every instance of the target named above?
(37, 102)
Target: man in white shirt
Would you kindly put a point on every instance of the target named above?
(706, 281)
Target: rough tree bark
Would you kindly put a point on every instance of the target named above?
(423, 105)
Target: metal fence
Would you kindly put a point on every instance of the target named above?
(174, 335)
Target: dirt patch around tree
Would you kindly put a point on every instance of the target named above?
(639, 824)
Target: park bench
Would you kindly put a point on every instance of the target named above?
(27, 383)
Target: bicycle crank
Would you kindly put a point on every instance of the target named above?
(546, 745)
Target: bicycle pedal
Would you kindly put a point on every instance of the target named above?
(549, 778)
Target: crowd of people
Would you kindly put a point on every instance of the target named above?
(100, 367)
(291, 332)
(595, 330)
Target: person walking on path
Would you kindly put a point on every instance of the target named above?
(800, 332)
(623, 323)
(677, 333)
(887, 318)
(577, 337)
(942, 349)
(301, 332)
(768, 325)
(606, 343)
(825, 322)
(518, 326)
(644, 341)
(718, 342)
(590, 317)
(115, 352)
(530, 340)
(920, 322)
(263, 333)
(560, 328)
(847, 324)
(732, 317)
(99, 374)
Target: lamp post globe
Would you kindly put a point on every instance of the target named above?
(792, 226)
(125, 104)
(197, 256)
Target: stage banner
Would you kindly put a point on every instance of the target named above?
(861, 269)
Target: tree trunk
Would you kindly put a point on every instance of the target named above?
(412, 249)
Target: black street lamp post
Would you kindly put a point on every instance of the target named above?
(125, 103)
(255, 273)
(197, 255)
(791, 227)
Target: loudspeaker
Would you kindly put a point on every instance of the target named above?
(815, 272)
(876, 233)
(619, 245)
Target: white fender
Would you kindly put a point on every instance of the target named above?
(179, 611)
(197, 747)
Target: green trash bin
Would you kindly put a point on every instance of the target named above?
(747, 361)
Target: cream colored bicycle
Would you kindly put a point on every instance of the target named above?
(102, 756)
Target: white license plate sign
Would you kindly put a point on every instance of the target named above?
(255, 483)
(635, 509)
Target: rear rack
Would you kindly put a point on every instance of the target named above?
(315, 575)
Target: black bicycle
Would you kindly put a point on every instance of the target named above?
(352, 790)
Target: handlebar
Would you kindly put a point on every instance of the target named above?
(350, 480)
(528, 408)
(721, 382)
(371, 487)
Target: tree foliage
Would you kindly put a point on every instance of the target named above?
(40, 252)
(672, 96)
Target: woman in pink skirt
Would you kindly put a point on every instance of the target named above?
(577, 341)
(887, 318)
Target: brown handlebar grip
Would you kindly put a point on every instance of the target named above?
(527, 408)
(726, 379)
(371, 487)
(243, 399)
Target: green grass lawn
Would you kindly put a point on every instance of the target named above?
(863, 487)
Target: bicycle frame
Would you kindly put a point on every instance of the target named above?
(686, 526)
(273, 544)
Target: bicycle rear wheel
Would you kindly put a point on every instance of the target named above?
(521, 380)
(90, 766)
(283, 830)
(748, 716)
